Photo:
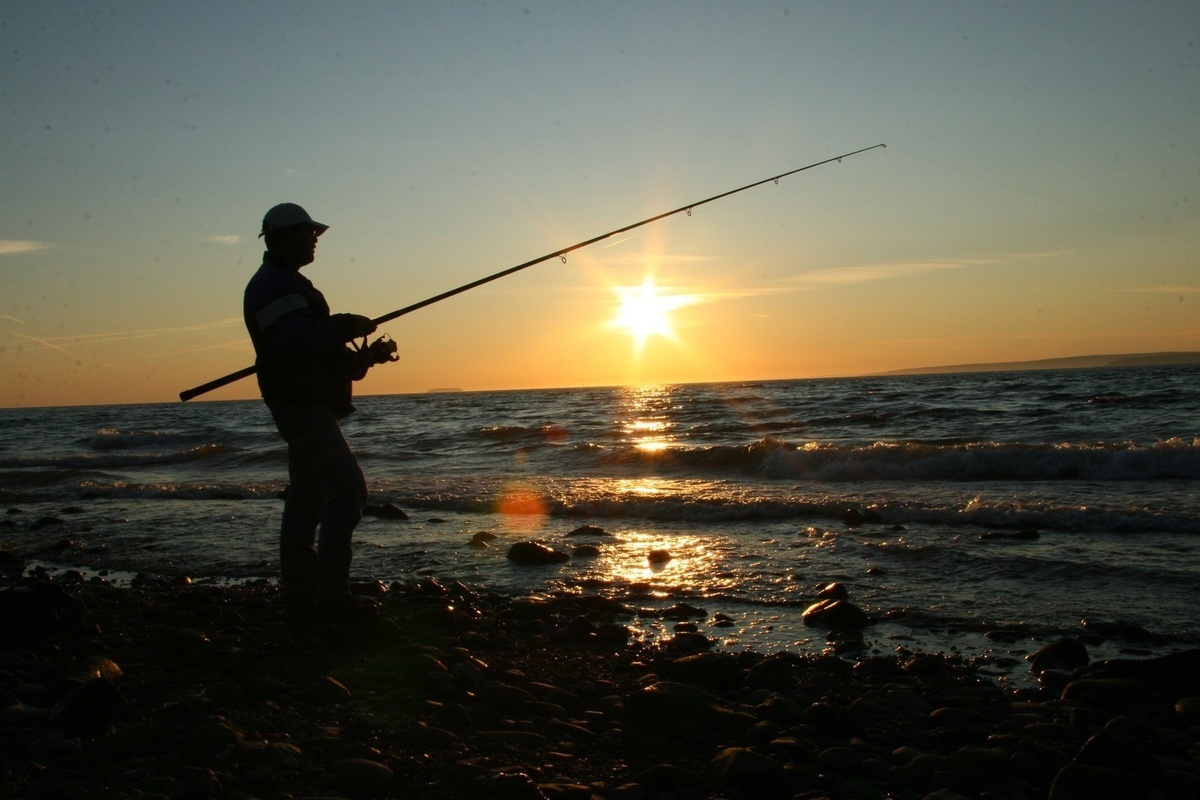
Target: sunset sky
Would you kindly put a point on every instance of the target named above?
(1039, 195)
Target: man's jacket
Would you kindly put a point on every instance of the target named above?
(301, 350)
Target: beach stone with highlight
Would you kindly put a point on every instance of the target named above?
(835, 614)
(535, 554)
(1063, 654)
(710, 670)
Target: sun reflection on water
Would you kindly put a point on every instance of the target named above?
(645, 417)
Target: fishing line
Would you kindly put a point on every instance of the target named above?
(1045, 197)
(560, 254)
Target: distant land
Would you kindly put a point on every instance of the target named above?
(1070, 362)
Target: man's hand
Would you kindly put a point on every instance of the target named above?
(381, 350)
(354, 326)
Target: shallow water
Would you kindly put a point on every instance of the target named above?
(747, 485)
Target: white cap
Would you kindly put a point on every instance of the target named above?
(285, 215)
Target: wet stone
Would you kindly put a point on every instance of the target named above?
(535, 554)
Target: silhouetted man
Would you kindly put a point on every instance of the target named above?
(305, 372)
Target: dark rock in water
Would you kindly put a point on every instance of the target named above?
(687, 642)
(682, 611)
(853, 517)
(612, 634)
(481, 539)
(833, 591)
(384, 511)
(586, 551)
(1064, 654)
(532, 554)
(835, 614)
(1028, 535)
(659, 556)
(45, 522)
(588, 530)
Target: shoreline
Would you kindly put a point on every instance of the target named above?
(172, 690)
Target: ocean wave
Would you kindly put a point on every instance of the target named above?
(114, 460)
(93, 489)
(550, 432)
(116, 439)
(840, 512)
(913, 461)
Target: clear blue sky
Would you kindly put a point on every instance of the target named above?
(1039, 196)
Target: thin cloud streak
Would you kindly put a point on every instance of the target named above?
(10, 247)
(58, 342)
(891, 270)
(867, 273)
(240, 345)
(46, 343)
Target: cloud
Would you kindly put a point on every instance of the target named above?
(61, 342)
(230, 239)
(888, 270)
(891, 270)
(10, 246)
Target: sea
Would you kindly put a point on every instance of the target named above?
(979, 515)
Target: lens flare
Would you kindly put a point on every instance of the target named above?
(522, 507)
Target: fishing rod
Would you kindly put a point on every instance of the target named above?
(248, 371)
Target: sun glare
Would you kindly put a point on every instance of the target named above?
(645, 311)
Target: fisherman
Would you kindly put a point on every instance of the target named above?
(305, 371)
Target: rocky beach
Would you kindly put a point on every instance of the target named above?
(168, 689)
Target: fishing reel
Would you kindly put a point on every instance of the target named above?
(366, 355)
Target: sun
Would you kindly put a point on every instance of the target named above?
(646, 312)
